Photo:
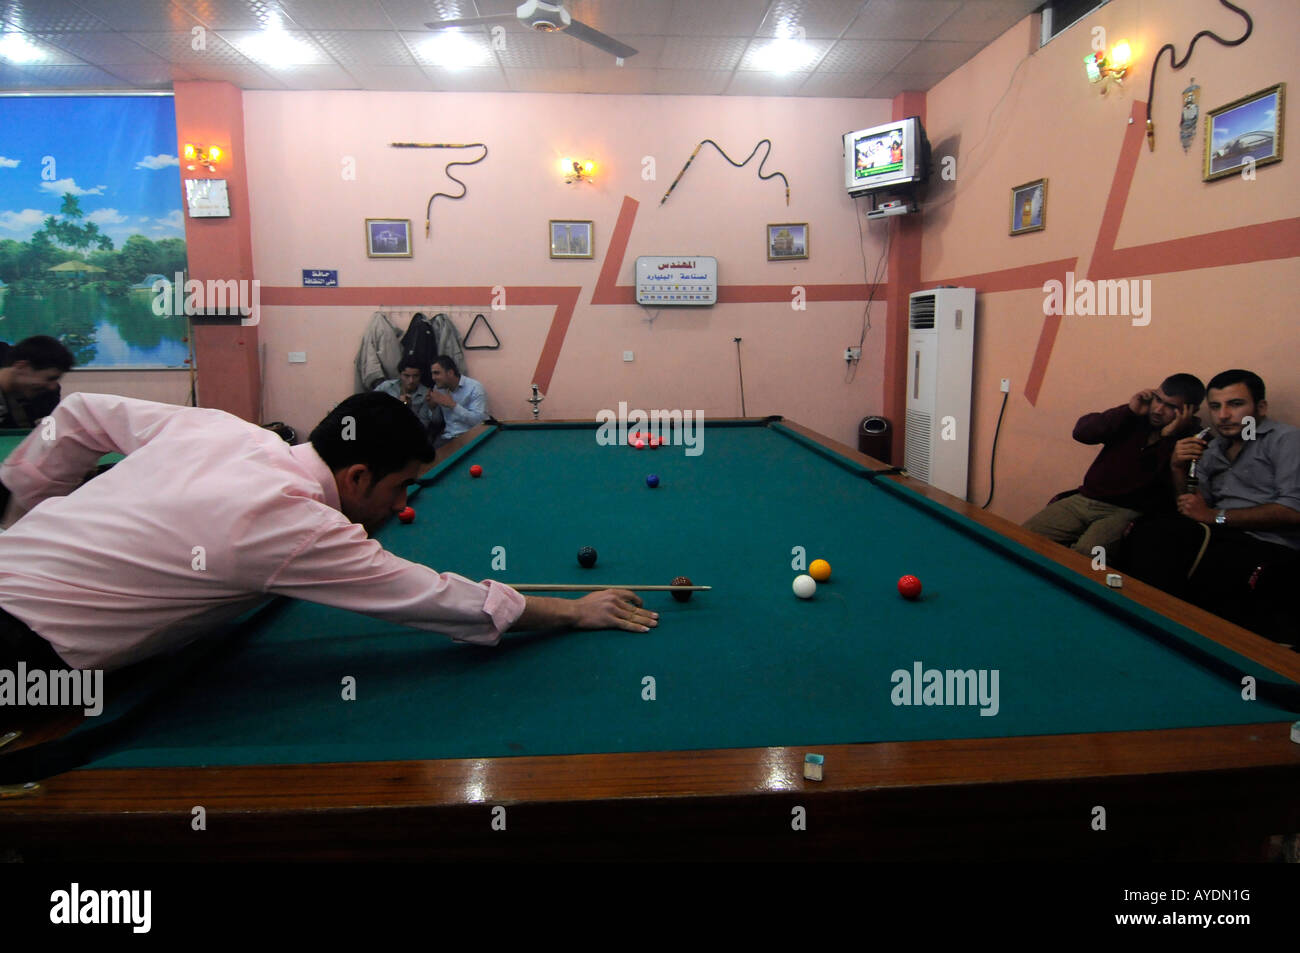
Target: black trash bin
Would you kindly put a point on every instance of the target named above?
(873, 438)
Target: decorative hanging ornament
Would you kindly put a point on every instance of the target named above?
(1191, 109)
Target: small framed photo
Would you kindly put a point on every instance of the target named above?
(787, 241)
(1245, 132)
(1029, 207)
(388, 237)
(571, 239)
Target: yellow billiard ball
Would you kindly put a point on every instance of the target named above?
(820, 570)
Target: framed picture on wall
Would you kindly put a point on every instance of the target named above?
(787, 241)
(1029, 207)
(388, 237)
(1246, 132)
(571, 239)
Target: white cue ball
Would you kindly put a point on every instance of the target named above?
(804, 586)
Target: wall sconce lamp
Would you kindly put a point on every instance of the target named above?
(1109, 67)
(577, 170)
(206, 156)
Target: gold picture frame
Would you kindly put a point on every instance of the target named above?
(388, 237)
(570, 239)
(787, 241)
(1029, 207)
(1246, 132)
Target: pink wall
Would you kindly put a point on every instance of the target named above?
(306, 214)
(1009, 122)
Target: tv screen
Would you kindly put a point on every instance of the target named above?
(885, 157)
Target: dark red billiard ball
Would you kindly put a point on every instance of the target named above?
(679, 595)
(476, 471)
(909, 587)
(407, 515)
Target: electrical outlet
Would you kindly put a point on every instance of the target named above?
(853, 354)
(627, 356)
(1006, 385)
(297, 357)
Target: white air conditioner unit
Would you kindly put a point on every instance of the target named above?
(940, 363)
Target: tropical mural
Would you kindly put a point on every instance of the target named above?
(88, 224)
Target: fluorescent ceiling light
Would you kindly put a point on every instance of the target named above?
(452, 49)
(18, 49)
(783, 56)
(275, 47)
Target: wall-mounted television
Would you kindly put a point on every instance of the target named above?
(892, 156)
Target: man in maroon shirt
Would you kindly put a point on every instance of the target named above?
(1130, 476)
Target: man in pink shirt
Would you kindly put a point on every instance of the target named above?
(208, 515)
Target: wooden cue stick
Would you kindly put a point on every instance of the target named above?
(564, 587)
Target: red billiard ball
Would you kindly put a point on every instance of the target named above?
(681, 595)
(909, 587)
(640, 444)
(476, 471)
(407, 515)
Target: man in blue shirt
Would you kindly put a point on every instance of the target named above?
(1235, 547)
(461, 399)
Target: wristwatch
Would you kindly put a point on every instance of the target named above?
(1222, 518)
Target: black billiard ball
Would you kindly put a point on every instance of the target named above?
(586, 557)
(679, 595)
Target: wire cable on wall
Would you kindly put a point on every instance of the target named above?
(738, 165)
(1178, 64)
(464, 190)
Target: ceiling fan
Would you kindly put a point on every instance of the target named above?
(546, 18)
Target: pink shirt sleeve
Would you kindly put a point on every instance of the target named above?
(340, 566)
(57, 455)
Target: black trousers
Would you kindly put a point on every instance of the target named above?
(20, 643)
(1238, 577)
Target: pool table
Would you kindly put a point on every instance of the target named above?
(1100, 722)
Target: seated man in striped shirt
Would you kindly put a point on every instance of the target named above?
(207, 515)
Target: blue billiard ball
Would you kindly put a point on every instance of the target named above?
(652, 481)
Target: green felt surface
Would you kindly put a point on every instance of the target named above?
(747, 664)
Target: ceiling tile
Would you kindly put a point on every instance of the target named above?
(104, 48)
(369, 47)
(141, 16)
(937, 56)
(524, 49)
(827, 19)
(51, 54)
(47, 16)
(649, 53)
(702, 52)
(756, 54)
(754, 83)
(414, 14)
(837, 85)
(865, 56)
(901, 19)
(56, 77)
(303, 52)
(312, 76)
(336, 14)
(233, 14)
(179, 48)
(547, 80)
(896, 83)
(688, 82)
(716, 17)
(468, 80)
(147, 76)
(390, 77)
(245, 77)
(984, 20)
(623, 18)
